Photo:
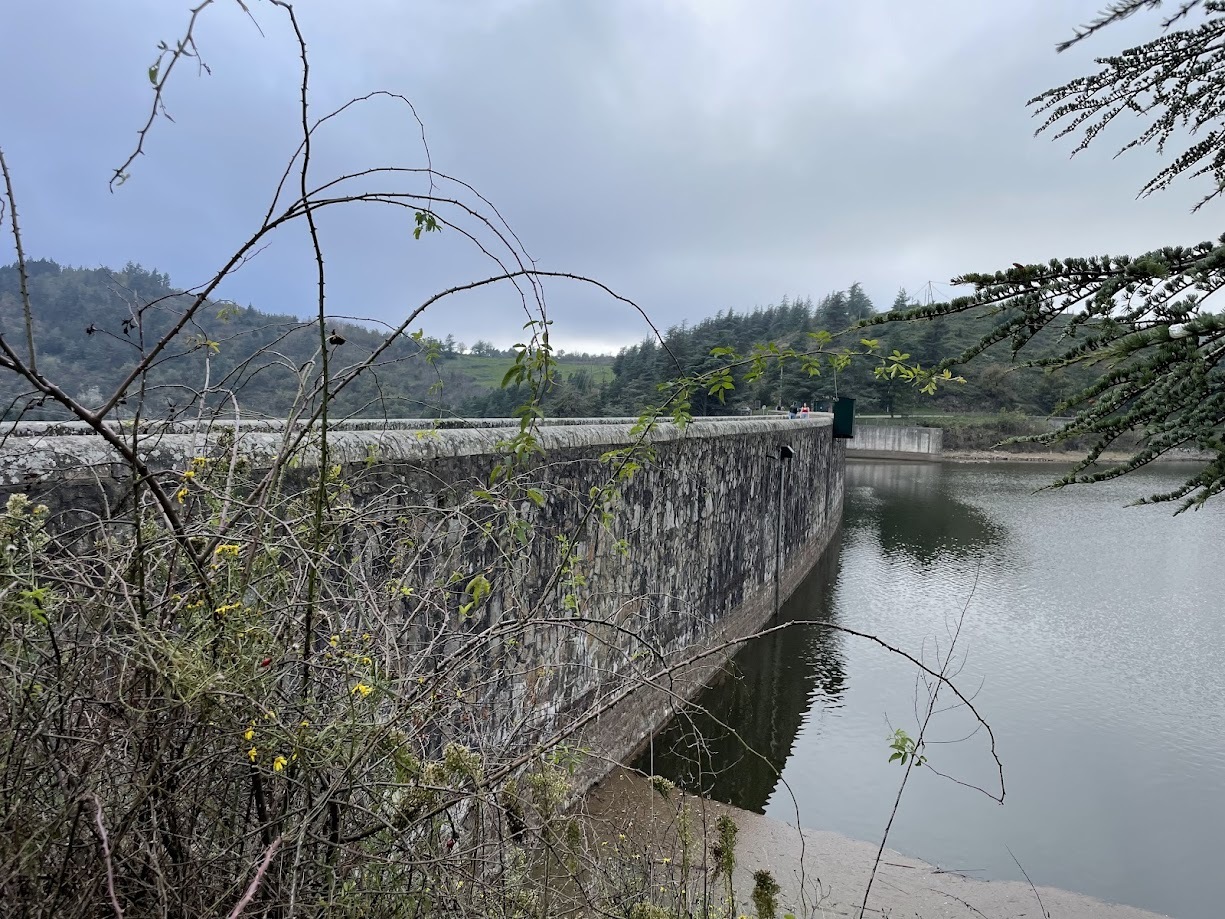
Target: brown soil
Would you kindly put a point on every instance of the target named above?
(1067, 457)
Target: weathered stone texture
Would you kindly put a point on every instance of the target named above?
(700, 522)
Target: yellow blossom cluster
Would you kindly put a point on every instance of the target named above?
(280, 761)
(197, 465)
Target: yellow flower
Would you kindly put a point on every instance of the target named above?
(270, 714)
(189, 474)
(200, 461)
(365, 636)
(334, 640)
(304, 723)
(363, 689)
(228, 548)
(366, 661)
(253, 754)
(279, 763)
(249, 734)
(181, 494)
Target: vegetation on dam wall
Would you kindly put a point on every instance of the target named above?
(392, 668)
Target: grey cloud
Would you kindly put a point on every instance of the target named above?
(695, 154)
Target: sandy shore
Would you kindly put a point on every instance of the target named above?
(824, 874)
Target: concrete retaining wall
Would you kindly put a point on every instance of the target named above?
(890, 442)
(686, 561)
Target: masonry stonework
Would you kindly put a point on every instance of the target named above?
(697, 523)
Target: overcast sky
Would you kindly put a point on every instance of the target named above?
(694, 155)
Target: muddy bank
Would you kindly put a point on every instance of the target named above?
(1004, 456)
(824, 874)
(1067, 458)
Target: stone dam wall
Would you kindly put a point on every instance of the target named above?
(685, 561)
(895, 442)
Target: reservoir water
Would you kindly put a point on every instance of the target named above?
(1092, 642)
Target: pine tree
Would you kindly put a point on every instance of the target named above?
(833, 313)
(1143, 323)
(858, 304)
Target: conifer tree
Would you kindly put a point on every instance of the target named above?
(1149, 324)
(858, 304)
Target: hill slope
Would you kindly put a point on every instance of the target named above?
(89, 326)
(994, 383)
(92, 325)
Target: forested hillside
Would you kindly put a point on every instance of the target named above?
(90, 326)
(993, 384)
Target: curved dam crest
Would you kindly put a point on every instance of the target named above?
(700, 521)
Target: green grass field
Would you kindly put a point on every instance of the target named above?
(489, 371)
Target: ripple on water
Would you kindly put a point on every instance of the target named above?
(1092, 642)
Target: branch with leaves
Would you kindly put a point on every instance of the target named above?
(1147, 327)
(825, 354)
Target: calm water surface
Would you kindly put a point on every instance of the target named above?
(1092, 642)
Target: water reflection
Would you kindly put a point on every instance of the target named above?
(913, 511)
(732, 743)
(1093, 643)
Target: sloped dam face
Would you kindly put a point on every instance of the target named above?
(686, 560)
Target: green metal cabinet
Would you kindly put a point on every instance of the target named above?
(844, 418)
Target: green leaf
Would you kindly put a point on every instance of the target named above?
(426, 223)
(536, 496)
(478, 588)
(514, 374)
